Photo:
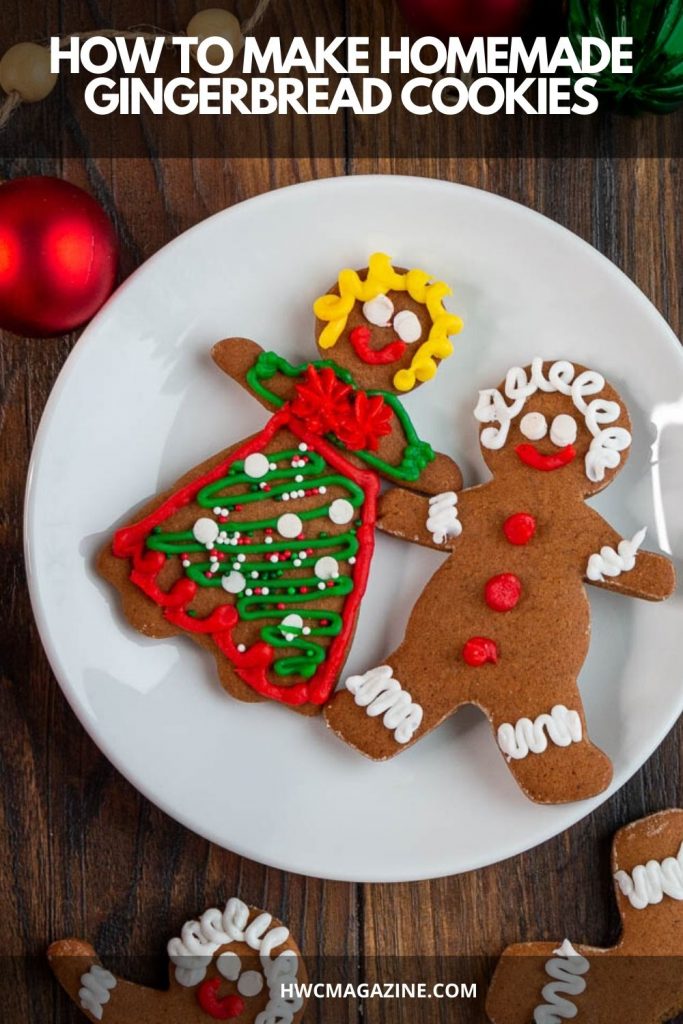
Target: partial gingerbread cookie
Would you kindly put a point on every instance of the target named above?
(229, 965)
(638, 981)
(261, 554)
(505, 622)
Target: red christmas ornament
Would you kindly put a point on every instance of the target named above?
(58, 256)
(466, 18)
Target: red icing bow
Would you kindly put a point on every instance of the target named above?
(327, 405)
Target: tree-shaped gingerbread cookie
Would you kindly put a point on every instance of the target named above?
(505, 622)
(638, 981)
(261, 554)
(233, 964)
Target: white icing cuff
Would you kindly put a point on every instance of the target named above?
(649, 883)
(566, 972)
(97, 984)
(442, 520)
(608, 562)
(380, 694)
(562, 727)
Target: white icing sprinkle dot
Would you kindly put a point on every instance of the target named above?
(272, 465)
(256, 465)
(225, 511)
(254, 574)
(285, 496)
(269, 540)
(352, 560)
(249, 592)
(291, 620)
(321, 585)
(234, 582)
(306, 630)
(407, 326)
(341, 511)
(303, 447)
(205, 531)
(186, 562)
(273, 558)
(265, 590)
(289, 525)
(298, 478)
(237, 565)
(296, 562)
(241, 648)
(217, 510)
(250, 983)
(241, 558)
(378, 311)
(326, 568)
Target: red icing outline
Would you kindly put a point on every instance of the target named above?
(252, 665)
(389, 353)
(220, 1009)
(530, 456)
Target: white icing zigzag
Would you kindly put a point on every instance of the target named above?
(567, 973)
(608, 562)
(97, 984)
(380, 694)
(442, 521)
(563, 727)
(650, 883)
(607, 443)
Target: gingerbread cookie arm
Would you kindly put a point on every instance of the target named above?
(539, 981)
(617, 563)
(431, 522)
(236, 356)
(99, 994)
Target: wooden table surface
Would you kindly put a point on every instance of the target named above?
(81, 852)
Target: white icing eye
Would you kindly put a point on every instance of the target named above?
(250, 983)
(229, 965)
(563, 430)
(534, 426)
(379, 311)
(407, 326)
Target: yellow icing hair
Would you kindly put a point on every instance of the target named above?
(382, 278)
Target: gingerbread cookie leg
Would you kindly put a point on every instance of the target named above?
(100, 995)
(547, 748)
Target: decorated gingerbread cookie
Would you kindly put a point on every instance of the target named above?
(261, 554)
(505, 622)
(236, 964)
(638, 981)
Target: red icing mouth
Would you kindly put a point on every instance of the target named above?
(360, 340)
(530, 456)
(220, 1009)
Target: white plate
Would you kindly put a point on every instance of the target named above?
(140, 401)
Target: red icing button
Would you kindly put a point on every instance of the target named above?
(519, 528)
(503, 592)
(219, 1009)
(478, 650)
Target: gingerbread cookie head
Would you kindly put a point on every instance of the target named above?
(387, 326)
(237, 965)
(554, 424)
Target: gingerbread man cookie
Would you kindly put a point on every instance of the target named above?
(261, 554)
(236, 964)
(505, 622)
(638, 981)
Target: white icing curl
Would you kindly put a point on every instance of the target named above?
(608, 562)
(649, 883)
(608, 441)
(95, 991)
(566, 968)
(380, 694)
(562, 727)
(442, 520)
(193, 951)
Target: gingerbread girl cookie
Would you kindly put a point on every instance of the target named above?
(237, 965)
(505, 622)
(638, 981)
(261, 554)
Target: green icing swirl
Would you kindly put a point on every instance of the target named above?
(294, 592)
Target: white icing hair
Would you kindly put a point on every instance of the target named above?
(608, 441)
(199, 940)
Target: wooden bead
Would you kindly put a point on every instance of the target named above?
(216, 22)
(25, 69)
